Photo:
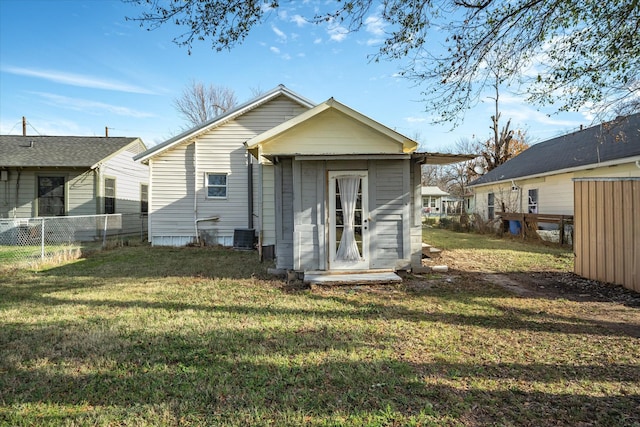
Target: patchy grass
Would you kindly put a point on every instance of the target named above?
(165, 336)
(486, 252)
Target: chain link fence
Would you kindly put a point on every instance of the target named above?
(36, 240)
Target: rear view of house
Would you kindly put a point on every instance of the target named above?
(204, 184)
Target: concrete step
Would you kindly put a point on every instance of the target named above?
(358, 278)
(430, 251)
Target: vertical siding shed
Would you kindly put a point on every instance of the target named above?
(607, 230)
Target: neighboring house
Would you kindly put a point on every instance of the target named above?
(540, 179)
(43, 176)
(432, 200)
(204, 185)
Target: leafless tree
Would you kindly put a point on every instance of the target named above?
(199, 103)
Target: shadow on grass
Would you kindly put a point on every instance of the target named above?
(223, 374)
(508, 318)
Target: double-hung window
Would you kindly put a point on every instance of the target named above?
(216, 184)
(533, 201)
(109, 195)
(144, 199)
(491, 206)
(51, 198)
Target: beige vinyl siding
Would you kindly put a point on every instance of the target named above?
(172, 201)
(219, 151)
(129, 175)
(223, 151)
(331, 132)
(555, 192)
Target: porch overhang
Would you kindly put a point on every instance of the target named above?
(441, 158)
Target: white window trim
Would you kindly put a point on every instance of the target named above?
(226, 186)
(491, 208)
(535, 203)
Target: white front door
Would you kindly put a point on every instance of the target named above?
(348, 221)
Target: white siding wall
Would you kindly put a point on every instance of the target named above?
(219, 151)
(171, 208)
(129, 176)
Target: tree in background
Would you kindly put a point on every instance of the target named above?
(199, 103)
(571, 53)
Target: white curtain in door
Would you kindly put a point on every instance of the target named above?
(348, 187)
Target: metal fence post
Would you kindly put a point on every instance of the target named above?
(104, 233)
(42, 241)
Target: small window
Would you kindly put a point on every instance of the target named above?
(109, 195)
(144, 199)
(490, 206)
(51, 196)
(533, 201)
(216, 184)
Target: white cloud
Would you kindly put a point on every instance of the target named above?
(375, 25)
(414, 119)
(274, 50)
(317, 41)
(89, 106)
(72, 79)
(279, 32)
(300, 21)
(337, 33)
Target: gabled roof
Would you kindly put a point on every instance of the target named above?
(408, 145)
(59, 151)
(192, 133)
(602, 145)
(432, 190)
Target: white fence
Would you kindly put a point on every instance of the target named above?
(34, 240)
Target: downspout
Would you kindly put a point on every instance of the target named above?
(250, 191)
(195, 190)
(15, 205)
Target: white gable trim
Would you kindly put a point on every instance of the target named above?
(408, 145)
(220, 120)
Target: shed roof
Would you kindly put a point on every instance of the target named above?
(604, 144)
(59, 151)
(432, 190)
(241, 109)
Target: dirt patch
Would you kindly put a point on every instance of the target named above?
(602, 298)
(568, 286)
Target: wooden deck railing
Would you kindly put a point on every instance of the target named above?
(528, 222)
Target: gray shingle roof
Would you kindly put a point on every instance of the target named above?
(617, 139)
(57, 151)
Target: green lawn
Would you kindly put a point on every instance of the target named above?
(164, 336)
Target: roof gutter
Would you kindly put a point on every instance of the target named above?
(615, 162)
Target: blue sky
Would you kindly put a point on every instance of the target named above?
(75, 67)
